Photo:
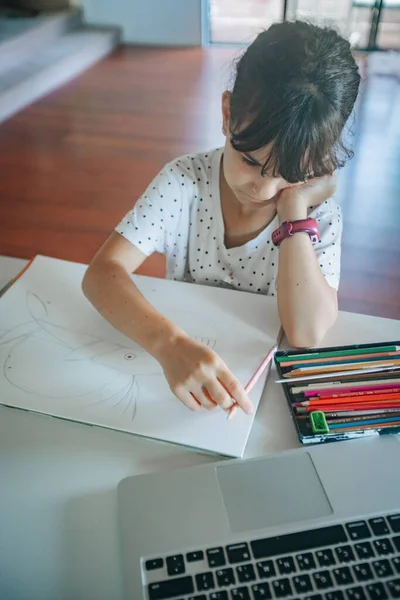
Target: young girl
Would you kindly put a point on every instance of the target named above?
(256, 215)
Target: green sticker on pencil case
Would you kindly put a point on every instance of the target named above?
(318, 422)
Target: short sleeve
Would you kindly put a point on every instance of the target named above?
(328, 250)
(155, 214)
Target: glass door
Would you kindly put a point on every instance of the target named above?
(368, 24)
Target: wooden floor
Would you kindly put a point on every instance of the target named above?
(73, 163)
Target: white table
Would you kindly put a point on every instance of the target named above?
(58, 503)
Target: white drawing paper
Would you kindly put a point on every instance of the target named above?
(58, 356)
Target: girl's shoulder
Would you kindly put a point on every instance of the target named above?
(198, 167)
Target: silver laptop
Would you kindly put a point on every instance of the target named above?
(316, 523)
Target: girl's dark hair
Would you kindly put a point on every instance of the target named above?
(295, 87)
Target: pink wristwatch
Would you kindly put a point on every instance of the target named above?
(289, 228)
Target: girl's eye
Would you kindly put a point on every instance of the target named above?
(248, 162)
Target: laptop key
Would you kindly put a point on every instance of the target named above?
(241, 593)
(383, 546)
(175, 565)
(358, 530)
(396, 541)
(302, 584)
(306, 561)
(323, 580)
(205, 581)
(363, 572)
(216, 557)
(261, 591)
(195, 556)
(313, 597)
(265, 569)
(364, 550)
(343, 576)
(245, 573)
(356, 593)
(282, 588)
(376, 591)
(238, 553)
(382, 568)
(335, 595)
(154, 563)
(225, 577)
(379, 526)
(396, 563)
(201, 597)
(222, 595)
(394, 522)
(179, 586)
(286, 565)
(345, 554)
(296, 542)
(394, 588)
(325, 557)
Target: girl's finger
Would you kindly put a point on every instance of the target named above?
(205, 399)
(188, 399)
(219, 394)
(236, 390)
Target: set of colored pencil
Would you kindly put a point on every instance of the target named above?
(345, 403)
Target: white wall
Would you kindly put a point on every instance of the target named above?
(153, 22)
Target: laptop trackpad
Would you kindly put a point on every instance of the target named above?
(272, 491)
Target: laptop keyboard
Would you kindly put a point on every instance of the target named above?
(358, 560)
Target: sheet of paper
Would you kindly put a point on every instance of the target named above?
(59, 357)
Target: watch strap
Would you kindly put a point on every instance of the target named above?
(289, 228)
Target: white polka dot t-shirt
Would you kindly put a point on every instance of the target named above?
(180, 216)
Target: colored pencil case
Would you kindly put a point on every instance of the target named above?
(313, 427)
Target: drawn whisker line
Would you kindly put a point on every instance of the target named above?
(135, 406)
(126, 387)
(124, 397)
(132, 400)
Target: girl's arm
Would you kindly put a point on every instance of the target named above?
(307, 303)
(196, 374)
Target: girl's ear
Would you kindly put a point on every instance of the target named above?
(226, 112)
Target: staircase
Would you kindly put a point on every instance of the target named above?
(41, 53)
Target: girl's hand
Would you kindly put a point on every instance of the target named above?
(295, 201)
(199, 378)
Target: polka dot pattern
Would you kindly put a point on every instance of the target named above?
(179, 215)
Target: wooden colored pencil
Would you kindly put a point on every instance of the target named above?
(337, 407)
(360, 418)
(303, 413)
(350, 400)
(340, 358)
(343, 375)
(371, 426)
(255, 377)
(374, 393)
(356, 391)
(337, 385)
(341, 367)
(339, 352)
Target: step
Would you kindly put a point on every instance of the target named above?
(19, 38)
(54, 65)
